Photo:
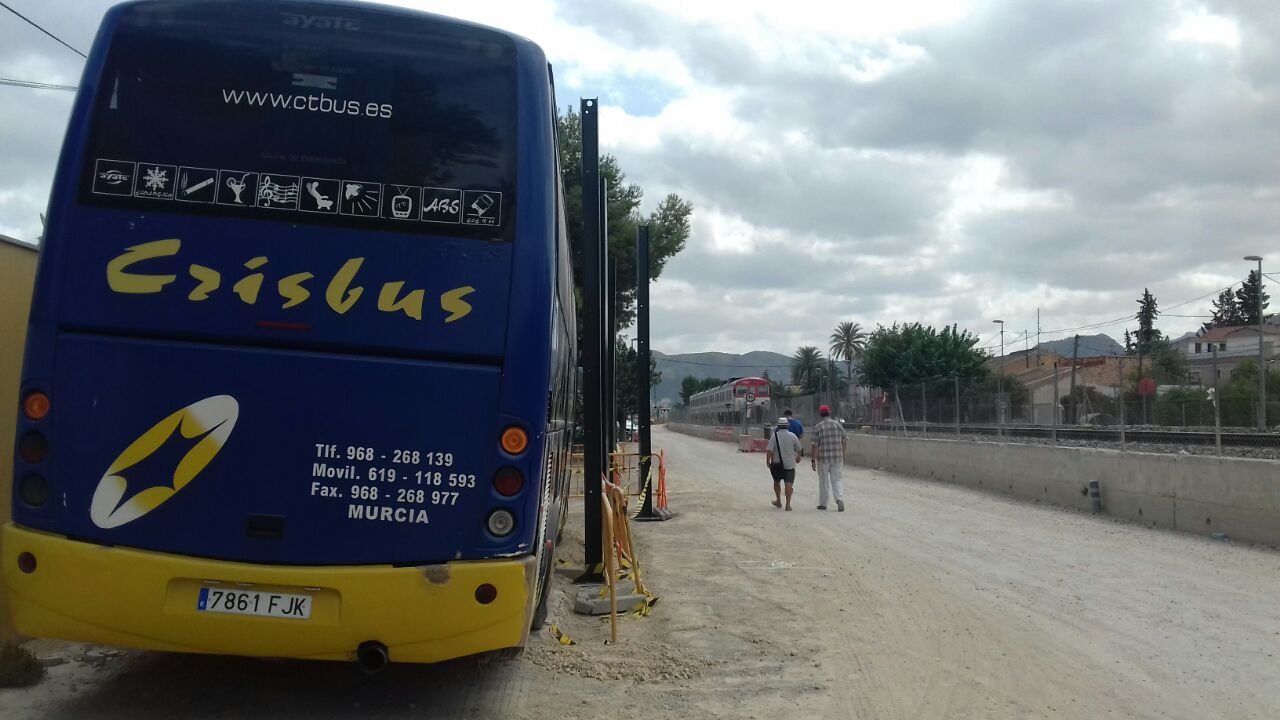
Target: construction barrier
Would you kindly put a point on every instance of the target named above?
(624, 471)
(621, 561)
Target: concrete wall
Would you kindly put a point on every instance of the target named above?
(1193, 493)
(17, 277)
(704, 432)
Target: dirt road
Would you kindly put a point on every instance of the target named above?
(921, 601)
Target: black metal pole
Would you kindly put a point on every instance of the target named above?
(594, 457)
(642, 370)
(609, 347)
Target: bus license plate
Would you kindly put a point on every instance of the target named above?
(254, 602)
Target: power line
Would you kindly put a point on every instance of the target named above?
(46, 32)
(1127, 318)
(36, 85)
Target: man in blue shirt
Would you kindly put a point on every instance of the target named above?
(794, 426)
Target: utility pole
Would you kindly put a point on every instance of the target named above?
(1217, 414)
(1056, 405)
(1027, 346)
(1037, 337)
(1000, 384)
(1071, 394)
(957, 378)
(1144, 397)
(1262, 365)
(1120, 395)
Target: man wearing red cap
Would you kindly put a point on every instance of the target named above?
(826, 455)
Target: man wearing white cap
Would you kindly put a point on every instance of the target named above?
(782, 455)
(826, 455)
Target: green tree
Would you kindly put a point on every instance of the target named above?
(1247, 299)
(847, 343)
(1240, 396)
(1147, 314)
(691, 385)
(1226, 313)
(1184, 406)
(668, 224)
(1128, 342)
(914, 353)
(626, 359)
(1165, 364)
(807, 368)
(978, 398)
(1089, 400)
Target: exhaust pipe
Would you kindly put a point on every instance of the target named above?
(372, 657)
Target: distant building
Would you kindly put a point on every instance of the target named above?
(1234, 344)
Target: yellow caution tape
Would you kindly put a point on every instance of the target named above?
(560, 637)
(644, 607)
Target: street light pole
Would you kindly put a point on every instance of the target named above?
(1000, 384)
(1262, 365)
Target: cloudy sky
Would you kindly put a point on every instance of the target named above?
(946, 161)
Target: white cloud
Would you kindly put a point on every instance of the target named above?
(932, 160)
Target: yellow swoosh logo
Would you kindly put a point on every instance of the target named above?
(213, 417)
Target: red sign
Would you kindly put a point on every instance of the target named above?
(1146, 386)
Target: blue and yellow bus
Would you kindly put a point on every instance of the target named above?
(300, 363)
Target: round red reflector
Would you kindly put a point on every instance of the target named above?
(33, 448)
(486, 594)
(27, 563)
(508, 481)
(35, 405)
(514, 440)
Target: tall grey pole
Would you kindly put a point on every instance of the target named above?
(1071, 391)
(1000, 384)
(1056, 406)
(1120, 394)
(1217, 415)
(1262, 364)
(924, 409)
(957, 378)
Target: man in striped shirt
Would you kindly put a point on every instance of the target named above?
(826, 455)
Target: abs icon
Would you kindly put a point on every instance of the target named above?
(208, 422)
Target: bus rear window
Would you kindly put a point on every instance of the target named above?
(270, 111)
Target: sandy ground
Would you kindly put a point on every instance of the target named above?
(921, 601)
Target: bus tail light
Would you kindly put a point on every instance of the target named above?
(508, 481)
(33, 448)
(35, 406)
(34, 490)
(514, 440)
(501, 523)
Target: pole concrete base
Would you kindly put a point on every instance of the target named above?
(589, 601)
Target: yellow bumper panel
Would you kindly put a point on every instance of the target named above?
(134, 598)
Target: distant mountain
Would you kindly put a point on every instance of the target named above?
(1090, 346)
(674, 368)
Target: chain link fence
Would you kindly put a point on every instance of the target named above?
(999, 406)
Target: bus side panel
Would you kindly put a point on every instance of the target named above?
(527, 372)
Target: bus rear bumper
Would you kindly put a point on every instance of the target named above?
(134, 598)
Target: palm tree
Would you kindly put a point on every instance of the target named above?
(848, 342)
(806, 367)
